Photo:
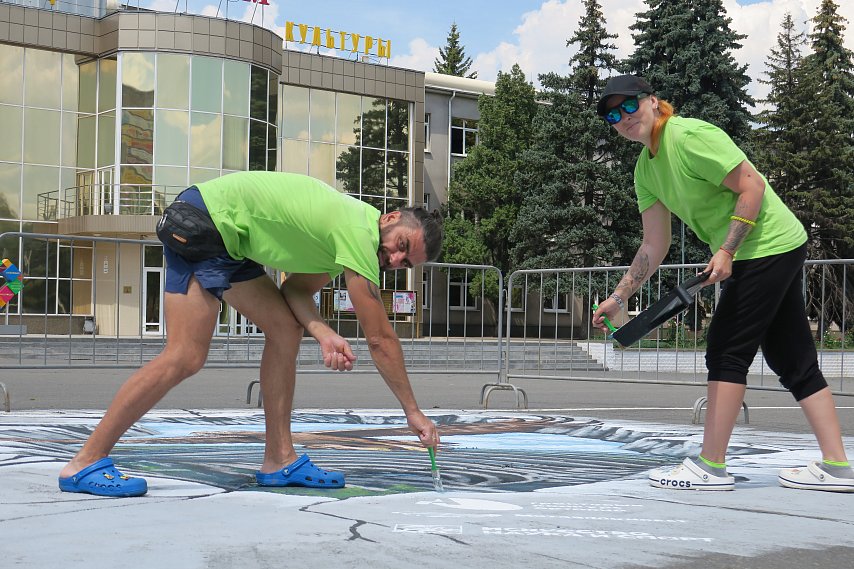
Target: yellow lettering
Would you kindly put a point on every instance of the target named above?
(383, 48)
(369, 43)
(303, 32)
(315, 38)
(355, 39)
(289, 31)
(343, 38)
(330, 39)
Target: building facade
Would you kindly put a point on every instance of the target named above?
(109, 112)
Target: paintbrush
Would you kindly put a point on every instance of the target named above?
(437, 477)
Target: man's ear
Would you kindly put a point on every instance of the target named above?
(390, 218)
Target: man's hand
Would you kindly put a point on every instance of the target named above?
(424, 428)
(337, 353)
(719, 268)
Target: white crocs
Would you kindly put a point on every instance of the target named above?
(689, 476)
(814, 478)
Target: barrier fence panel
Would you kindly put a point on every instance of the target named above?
(549, 333)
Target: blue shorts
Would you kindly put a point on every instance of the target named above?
(214, 274)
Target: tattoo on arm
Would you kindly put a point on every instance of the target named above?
(375, 292)
(737, 232)
(635, 276)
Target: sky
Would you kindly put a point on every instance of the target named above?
(498, 33)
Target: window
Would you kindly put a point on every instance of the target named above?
(425, 288)
(427, 132)
(517, 298)
(557, 303)
(463, 136)
(459, 295)
(427, 201)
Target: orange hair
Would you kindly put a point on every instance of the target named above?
(665, 111)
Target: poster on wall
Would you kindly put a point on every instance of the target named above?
(403, 302)
(342, 302)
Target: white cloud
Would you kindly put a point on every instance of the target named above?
(421, 56)
(539, 44)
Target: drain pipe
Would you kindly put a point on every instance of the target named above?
(450, 120)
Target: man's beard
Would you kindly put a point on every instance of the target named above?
(382, 255)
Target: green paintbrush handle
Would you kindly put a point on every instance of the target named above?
(610, 326)
(432, 452)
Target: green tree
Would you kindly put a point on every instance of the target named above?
(825, 196)
(779, 140)
(684, 48)
(578, 208)
(452, 58)
(482, 189)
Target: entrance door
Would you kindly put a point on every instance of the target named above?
(153, 278)
(232, 323)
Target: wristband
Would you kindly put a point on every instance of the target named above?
(749, 222)
(728, 252)
(616, 298)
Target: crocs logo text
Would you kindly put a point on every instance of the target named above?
(674, 483)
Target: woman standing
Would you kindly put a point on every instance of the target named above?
(692, 169)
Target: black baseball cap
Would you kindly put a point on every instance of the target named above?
(628, 85)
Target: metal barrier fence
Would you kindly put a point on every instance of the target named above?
(98, 302)
(550, 312)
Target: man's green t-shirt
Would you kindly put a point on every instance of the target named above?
(686, 176)
(294, 223)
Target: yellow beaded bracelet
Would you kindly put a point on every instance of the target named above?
(749, 222)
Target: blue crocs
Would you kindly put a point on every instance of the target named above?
(302, 472)
(102, 479)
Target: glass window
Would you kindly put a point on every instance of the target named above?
(321, 162)
(107, 85)
(259, 89)
(106, 139)
(137, 136)
(294, 112)
(373, 172)
(427, 132)
(463, 136)
(272, 98)
(322, 117)
(171, 178)
(205, 136)
(12, 72)
(171, 137)
(69, 139)
(348, 169)
(173, 81)
(295, 156)
(70, 82)
(199, 175)
(258, 145)
(235, 88)
(272, 143)
(10, 191)
(86, 141)
(348, 118)
(41, 136)
(137, 79)
(81, 296)
(235, 142)
(12, 119)
(34, 295)
(38, 180)
(88, 87)
(373, 123)
(398, 125)
(42, 74)
(397, 175)
(206, 94)
(135, 174)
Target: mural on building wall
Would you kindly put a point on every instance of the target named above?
(483, 452)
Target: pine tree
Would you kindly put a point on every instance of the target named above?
(779, 140)
(452, 58)
(825, 202)
(579, 208)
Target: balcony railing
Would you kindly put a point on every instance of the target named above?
(105, 199)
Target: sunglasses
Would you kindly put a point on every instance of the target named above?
(630, 105)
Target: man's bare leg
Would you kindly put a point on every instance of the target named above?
(261, 302)
(190, 321)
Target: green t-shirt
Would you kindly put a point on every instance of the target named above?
(294, 223)
(686, 176)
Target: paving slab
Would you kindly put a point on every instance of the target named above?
(534, 489)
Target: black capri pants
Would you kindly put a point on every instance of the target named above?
(762, 304)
